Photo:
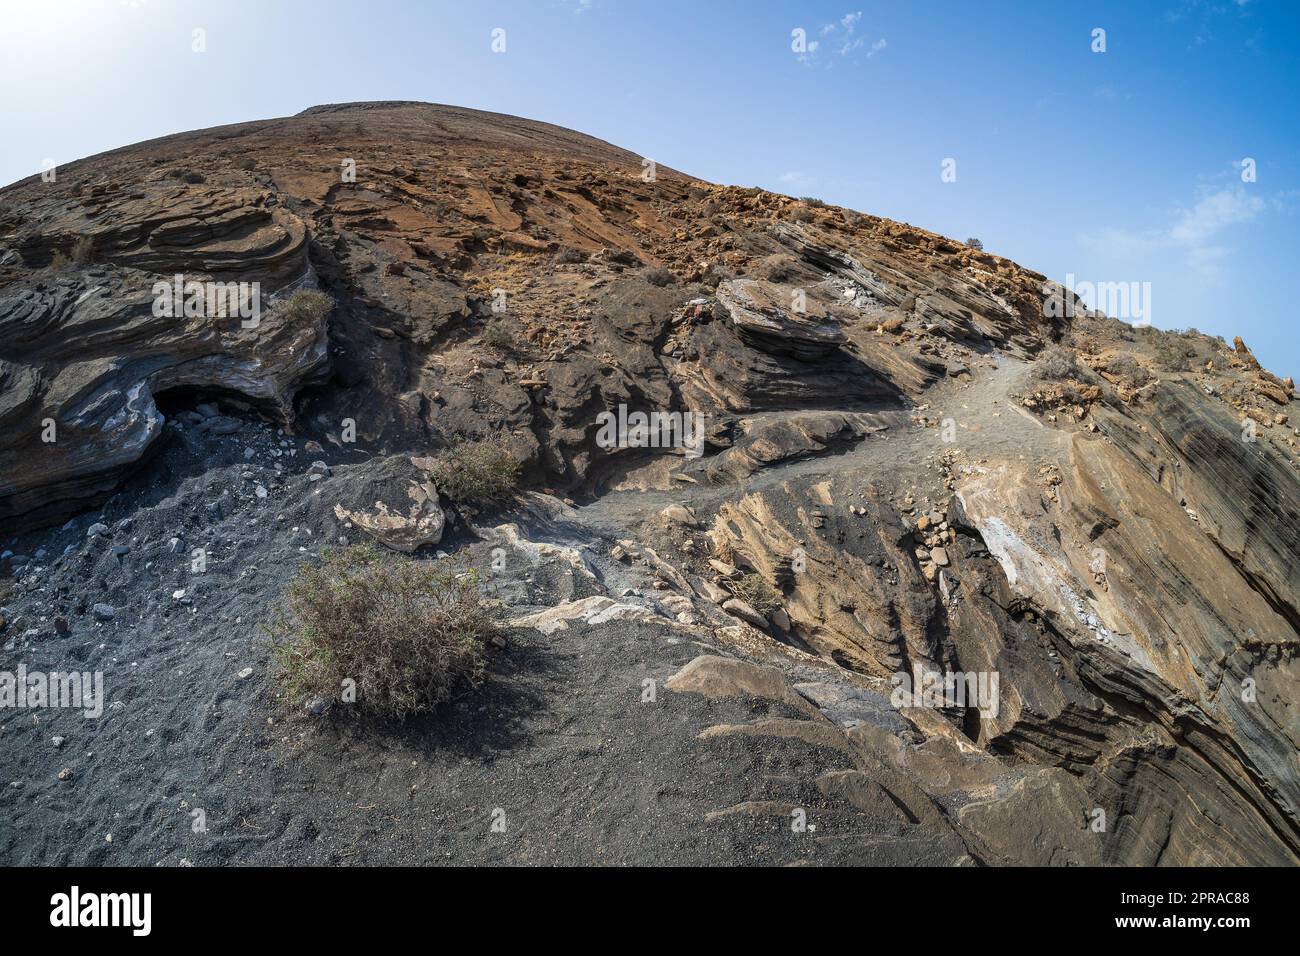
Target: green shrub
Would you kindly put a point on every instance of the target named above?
(476, 472)
(409, 633)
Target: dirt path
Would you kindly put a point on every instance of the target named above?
(986, 423)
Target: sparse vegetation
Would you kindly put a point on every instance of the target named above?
(1127, 368)
(1173, 354)
(187, 175)
(975, 244)
(247, 164)
(567, 255)
(496, 335)
(80, 254)
(812, 201)
(305, 306)
(83, 250)
(757, 593)
(659, 277)
(1057, 363)
(778, 268)
(802, 214)
(409, 633)
(479, 472)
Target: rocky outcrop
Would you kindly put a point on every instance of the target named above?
(74, 422)
(778, 321)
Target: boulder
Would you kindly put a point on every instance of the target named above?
(390, 499)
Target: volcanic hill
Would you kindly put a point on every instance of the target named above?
(915, 456)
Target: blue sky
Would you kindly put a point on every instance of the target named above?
(1115, 166)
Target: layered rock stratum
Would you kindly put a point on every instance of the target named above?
(930, 458)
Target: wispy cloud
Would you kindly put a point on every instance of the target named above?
(797, 181)
(1196, 231)
(842, 38)
(1204, 16)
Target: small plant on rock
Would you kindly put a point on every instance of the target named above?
(187, 175)
(83, 250)
(757, 593)
(1127, 368)
(305, 306)
(498, 336)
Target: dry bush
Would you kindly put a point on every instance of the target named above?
(778, 268)
(305, 306)
(757, 593)
(498, 336)
(409, 633)
(1173, 354)
(479, 472)
(187, 175)
(1057, 363)
(568, 255)
(659, 277)
(1127, 368)
(83, 250)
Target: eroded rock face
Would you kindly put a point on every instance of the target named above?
(1107, 540)
(84, 357)
(772, 320)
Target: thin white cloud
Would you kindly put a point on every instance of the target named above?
(1213, 213)
(842, 36)
(1196, 231)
